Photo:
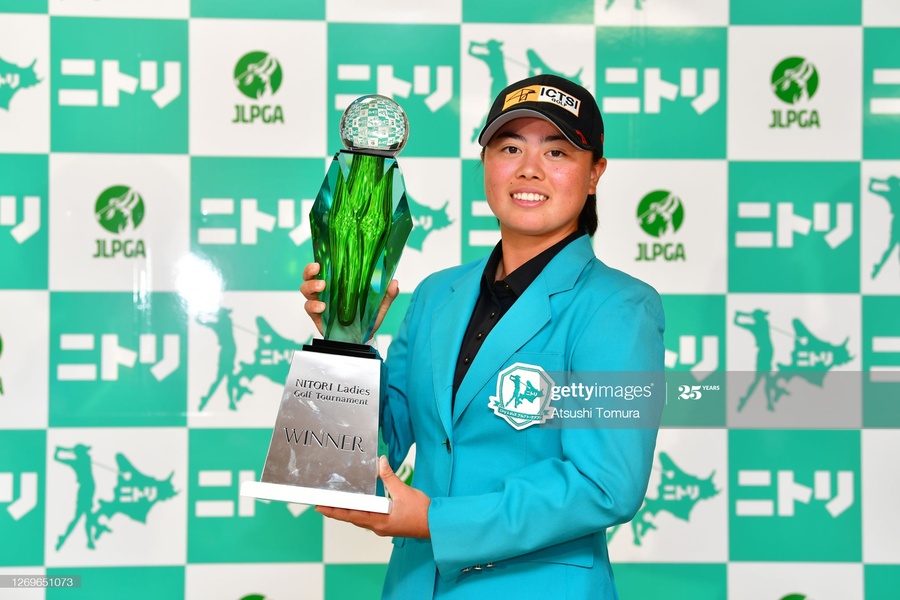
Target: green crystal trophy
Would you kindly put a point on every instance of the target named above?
(324, 447)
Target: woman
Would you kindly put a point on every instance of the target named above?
(502, 504)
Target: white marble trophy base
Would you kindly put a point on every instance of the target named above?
(315, 496)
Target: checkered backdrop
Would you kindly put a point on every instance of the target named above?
(158, 159)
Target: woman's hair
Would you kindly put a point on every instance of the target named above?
(587, 220)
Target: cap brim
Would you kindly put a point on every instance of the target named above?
(488, 132)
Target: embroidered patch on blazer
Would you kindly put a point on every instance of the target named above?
(523, 395)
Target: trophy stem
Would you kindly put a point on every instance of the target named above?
(360, 221)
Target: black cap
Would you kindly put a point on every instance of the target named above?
(565, 104)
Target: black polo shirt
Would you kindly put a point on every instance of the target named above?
(496, 297)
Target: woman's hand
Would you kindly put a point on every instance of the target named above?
(409, 509)
(312, 287)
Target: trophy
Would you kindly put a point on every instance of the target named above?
(324, 447)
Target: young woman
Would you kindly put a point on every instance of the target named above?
(502, 504)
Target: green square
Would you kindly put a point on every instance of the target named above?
(259, 9)
(390, 55)
(823, 259)
(359, 582)
(23, 6)
(684, 127)
(256, 259)
(881, 129)
(696, 387)
(25, 461)
(91, 382)
(671, 581)
(826, 527)
(114, 583)
(881, 581)
(24, 243)
(138, 123)
(478, 224)
(881, 388)
(528, 11)
(796, 12)
(256, 531)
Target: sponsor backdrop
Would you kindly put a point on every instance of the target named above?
(158, 159)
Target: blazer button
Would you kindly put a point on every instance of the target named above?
(478, 567)
(489, 565)
(465, 569)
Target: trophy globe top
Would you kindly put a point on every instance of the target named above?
(374, 124)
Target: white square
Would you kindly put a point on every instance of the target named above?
(880, 227)
(690, 258)
(631, 13)
(25, 83)
(393, 11)
(815, 581)
(25, 359)
(433, 191)
(824, 122)
(880, 13)
(116, 477)
(880, 482)
(494, 56)
(789, 324)
(687, 498)
(258, 580)
(343, 543)
(172, 9)
(287, 119)
(265, 328)
(84, 256)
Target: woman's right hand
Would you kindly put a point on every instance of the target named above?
(312, 287)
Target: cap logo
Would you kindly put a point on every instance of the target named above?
(543, 93)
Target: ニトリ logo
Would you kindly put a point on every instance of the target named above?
(134, 495)
(678, 494)
(14, 78)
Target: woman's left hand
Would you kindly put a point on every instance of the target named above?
(409, 509)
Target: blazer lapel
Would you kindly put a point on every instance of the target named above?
(448, 325)
(525, 318)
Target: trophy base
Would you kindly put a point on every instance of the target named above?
(315, 496)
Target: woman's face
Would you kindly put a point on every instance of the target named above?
(537, 181)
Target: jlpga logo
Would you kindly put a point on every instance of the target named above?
(258, 75)
(795, 81)
(660, 215)
(119, 209)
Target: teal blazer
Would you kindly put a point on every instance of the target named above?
(518, 513)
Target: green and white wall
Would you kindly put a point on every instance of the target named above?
(153, 202)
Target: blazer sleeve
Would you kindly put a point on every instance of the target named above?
(601, 478)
